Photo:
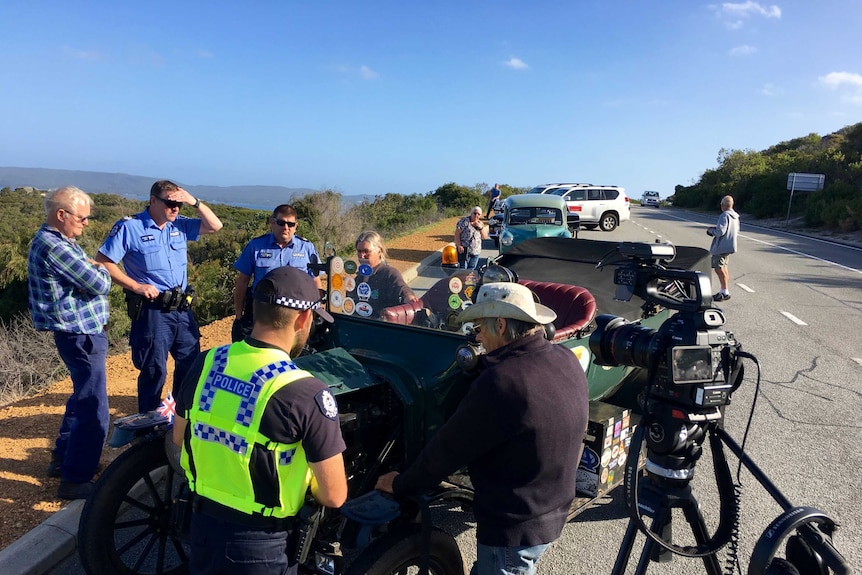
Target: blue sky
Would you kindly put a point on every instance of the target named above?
(400, 96)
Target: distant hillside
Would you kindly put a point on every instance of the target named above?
(138, 187)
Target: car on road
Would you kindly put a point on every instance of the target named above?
(650, 199)
(548, 188)
(528, 216)
(604, 207)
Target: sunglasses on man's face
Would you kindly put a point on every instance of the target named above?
(79, 219)
(283, 223)
(169, 203)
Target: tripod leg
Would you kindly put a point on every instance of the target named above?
(694, 517)
(624, 553)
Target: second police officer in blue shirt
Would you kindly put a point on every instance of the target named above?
(152, 248)
(281, 247)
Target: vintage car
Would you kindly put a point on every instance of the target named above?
(398, 373)
(529, 216)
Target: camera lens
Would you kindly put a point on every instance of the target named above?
(617, 341)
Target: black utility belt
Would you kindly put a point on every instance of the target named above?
(174, 299)
(215, 510)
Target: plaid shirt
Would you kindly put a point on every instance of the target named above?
(67, 292)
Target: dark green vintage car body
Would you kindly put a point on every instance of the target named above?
(407, 356)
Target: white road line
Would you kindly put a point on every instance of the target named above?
(793, 318)
(857, 360)
(745, 287)
(784, 248)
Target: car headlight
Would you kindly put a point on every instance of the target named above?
(507, 238)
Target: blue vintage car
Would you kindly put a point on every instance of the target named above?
(528, 216)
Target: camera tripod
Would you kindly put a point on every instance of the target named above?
(667, 488)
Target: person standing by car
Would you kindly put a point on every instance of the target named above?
(495, 195)
(68, 296)
(525, 417)
(724, 243)
(280, 247)
(386, 285)
(256, 434)
(469, 233)
(152, 248)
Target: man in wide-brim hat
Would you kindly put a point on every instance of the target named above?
(519, 429)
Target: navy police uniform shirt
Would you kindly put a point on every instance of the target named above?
(263, 254)
(151, 255)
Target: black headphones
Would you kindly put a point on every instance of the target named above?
(800, 557)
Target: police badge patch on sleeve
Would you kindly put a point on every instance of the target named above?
(116, 229)
(326, 403)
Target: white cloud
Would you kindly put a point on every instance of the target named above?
(746, 9)
(743, 50)
(516, 64)
(735, 13)
(367, 73)
(836, 80)
(847, 84)
(770, 90)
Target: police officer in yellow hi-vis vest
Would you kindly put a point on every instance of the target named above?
(256, 433)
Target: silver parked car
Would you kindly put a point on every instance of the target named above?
(650, 199)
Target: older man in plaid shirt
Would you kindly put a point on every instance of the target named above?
(68, 296)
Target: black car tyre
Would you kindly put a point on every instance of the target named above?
(609, 222)
(397, 553)
(127, 525)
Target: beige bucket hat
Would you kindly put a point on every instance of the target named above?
(510, 300)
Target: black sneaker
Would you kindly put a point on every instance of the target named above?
(720, 296)
(68, 490)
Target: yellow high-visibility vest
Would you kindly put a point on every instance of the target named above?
(224, 420)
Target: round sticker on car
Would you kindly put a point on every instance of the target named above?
(364, 309)
(336, 298)
(349, 306)
(336, 265)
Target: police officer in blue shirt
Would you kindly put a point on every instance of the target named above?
(281, 247)
(152, 247)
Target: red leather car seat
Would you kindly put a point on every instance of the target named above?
(575, 306)
(403, 313)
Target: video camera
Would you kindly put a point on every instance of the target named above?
(691, 360)
(693, 366)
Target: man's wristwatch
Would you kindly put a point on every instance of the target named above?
(197, 203)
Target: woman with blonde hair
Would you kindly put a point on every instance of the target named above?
(388, 287)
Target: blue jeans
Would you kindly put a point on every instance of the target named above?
(85, 422)
(468, 261)
(153, 336)
(221, 547)
(507, 560)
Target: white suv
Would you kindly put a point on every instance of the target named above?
(596, 206)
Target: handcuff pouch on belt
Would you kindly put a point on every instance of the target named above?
(173, 299)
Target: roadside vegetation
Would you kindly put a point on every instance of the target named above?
(28, 359)
(758, 181)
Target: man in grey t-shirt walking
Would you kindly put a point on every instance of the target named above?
(723, 244)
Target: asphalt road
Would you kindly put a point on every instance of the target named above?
(797, 306)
